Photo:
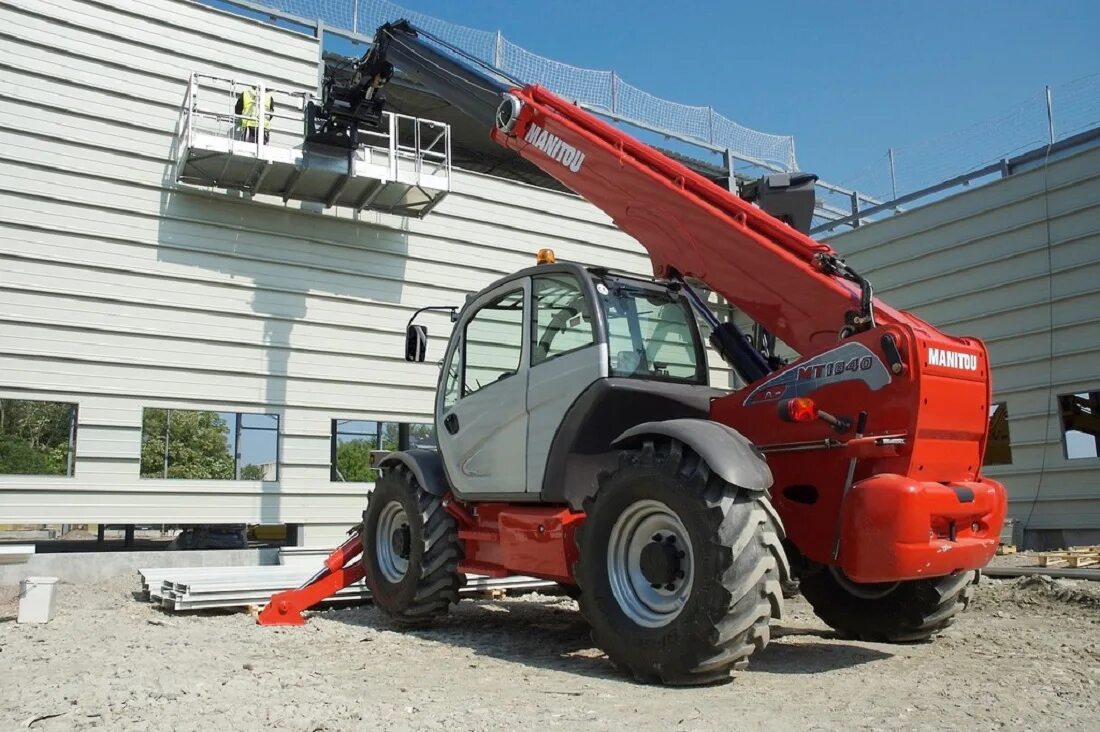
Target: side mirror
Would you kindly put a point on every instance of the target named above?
(416, 343)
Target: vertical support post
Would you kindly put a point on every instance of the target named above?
(320, 34)
(893, 178)
(393, 145)
(128, 541)
(354, 16)
(1050, 117)
(498, 51)
(710, 125)
(333, 453)
(192, 105)
(71, 453)
(167, 432)
(403, 436)
(261, 119)
(614, 93)
(101, 533)
(237, 447)
(417, 152)
(731, 178)
(855, 210)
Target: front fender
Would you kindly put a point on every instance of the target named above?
(726, 451)
(425, 465)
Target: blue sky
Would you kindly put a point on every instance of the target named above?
(847, 79)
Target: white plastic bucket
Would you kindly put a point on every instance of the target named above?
(36, 599)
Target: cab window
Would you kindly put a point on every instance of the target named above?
(651, 334)
(492, 343)
(562, 320)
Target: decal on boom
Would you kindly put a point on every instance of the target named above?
(555, 147)
(850, 362)
(952, 359)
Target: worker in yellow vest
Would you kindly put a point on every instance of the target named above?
(246, 108)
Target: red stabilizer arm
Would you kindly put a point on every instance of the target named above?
(286, 608)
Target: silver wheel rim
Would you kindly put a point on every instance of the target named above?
(390, 562)
(863, 590)
(637, 527)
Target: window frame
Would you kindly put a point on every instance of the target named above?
(996, 408)
(1092, 394)
(521, 286)
(73, 436)
(404, 441)
(234, 422)
(702, 367)
(593, 314)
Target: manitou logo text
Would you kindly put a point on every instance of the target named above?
(553, 146)
(952, 359)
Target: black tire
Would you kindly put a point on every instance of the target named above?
(901, 612)
(431, 581)
(736, 555)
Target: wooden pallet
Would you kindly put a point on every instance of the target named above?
(493, 593)
(1004, 549)
(1080, 556)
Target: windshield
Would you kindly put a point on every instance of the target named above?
(651, 334)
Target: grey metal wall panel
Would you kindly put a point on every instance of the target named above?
(121, 291)
(1017, 263)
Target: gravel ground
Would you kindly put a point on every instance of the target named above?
(1025, 656)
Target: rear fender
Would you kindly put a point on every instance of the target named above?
(726, 451)
(425, 465)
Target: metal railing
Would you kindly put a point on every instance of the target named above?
(1002, 168)
(219, 118)
(321, 22)
(408, 144)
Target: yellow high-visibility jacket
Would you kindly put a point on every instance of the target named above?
(246, 106)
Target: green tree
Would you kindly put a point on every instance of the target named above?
(353, 456)
(353, 460)
(419, 433)
(197, 446)
(252, 472)
(34, 436)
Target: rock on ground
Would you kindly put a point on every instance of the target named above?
(1025, 656)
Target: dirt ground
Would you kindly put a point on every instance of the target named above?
(1025, 656)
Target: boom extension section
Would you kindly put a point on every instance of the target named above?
(799, 288)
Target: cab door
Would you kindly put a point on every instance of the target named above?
(481, 409)
(565, 359)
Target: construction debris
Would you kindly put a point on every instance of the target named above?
(182, 589)
(1074, 557)
(1089, 573)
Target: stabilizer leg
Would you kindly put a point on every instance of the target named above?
(286, 608)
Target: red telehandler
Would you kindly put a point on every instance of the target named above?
(579, 440)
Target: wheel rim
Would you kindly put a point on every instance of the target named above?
(391, 542)
(650, 563)
(863, 590)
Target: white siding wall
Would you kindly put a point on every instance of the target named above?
(120, 290)
(977, 264)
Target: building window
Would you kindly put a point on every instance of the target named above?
(37, 438)
(353, 441)
(998, 449)
(1080, 414)
(207, 445)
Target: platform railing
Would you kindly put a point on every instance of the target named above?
(209, 109)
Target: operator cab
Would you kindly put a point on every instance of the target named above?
(550, 345)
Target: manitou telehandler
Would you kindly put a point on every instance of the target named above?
(579, 440)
